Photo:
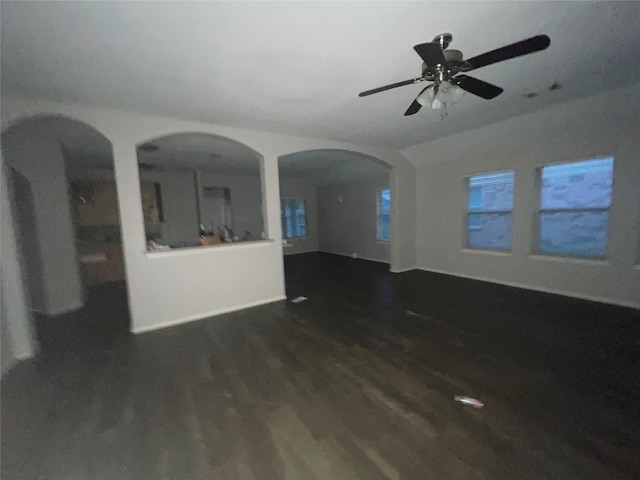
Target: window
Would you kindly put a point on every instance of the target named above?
(293, 216)
(383, 223)
(489, 205)
(574, 208)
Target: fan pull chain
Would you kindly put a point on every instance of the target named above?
(443, 111)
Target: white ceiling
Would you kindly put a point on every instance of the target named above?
(324, 167)
(297, 67)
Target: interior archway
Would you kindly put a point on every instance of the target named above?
(335, 202)
(64, 205)
(200, 189)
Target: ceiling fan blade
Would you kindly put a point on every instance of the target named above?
(393, 85)
(415, 106)
(477, 87)
(524, 47)
(431, 53)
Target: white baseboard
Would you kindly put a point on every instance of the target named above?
(76, 306)
(313, 250)
(201, 316)
(565, 293)
(402, 270)
(359, 257)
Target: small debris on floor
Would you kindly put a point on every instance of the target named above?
(474, 402)
(299, 299)
(410, 313)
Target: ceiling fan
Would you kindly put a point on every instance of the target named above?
(442, 66)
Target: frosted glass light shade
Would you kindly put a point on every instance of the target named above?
(449, 93)
(426, 97)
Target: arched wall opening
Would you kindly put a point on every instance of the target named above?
(200, 189)
(62, 203)
(174, 287)
(336, 201)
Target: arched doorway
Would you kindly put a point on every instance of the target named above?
(64, 207)
(336, 202)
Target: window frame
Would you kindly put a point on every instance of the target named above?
(467, 228)
(538, 211)
(380, 216)
(306, 223)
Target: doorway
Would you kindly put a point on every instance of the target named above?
(335, 202)
(65, 212)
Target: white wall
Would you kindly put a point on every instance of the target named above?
(38, 156)
(349, 226)
(17, 336)
(172, 287)
(602, 125)
(301, 188)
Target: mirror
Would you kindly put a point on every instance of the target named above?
(199, 190)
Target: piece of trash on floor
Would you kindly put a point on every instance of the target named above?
(410, 313)
(299, 299)
(474, 402)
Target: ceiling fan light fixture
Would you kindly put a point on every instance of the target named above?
(447, 69)
(426, 97)
(449, 93)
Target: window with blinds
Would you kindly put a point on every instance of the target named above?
(383, 223)
(293, 217)
(573, 219)
(489, 206)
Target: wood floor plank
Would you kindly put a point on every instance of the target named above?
(355, 383)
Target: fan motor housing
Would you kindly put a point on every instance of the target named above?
(455, 61)
(453, 56)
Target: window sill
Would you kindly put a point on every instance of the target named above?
(383, 242)
(177, 252)
(599, 262)
(499, 253)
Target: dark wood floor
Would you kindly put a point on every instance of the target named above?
(355, 383)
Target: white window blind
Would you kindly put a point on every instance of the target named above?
(575, 198)
(489, 205)
(293, 217)
(383, 224)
